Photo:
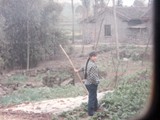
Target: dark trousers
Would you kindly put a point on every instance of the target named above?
(92, 100)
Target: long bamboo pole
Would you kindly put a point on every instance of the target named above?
(73, 67)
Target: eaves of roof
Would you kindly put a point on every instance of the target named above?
(125, 13)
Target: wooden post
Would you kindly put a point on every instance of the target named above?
(116, 30)
(73, 67)
(72, 22)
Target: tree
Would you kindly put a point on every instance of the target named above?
(86, 10)
(120, 3)
(138, 3)
(86, 7)
(72, 21)
(30, 29)
(116, 30)
(3, 43)
(150, 2)
(51, 36)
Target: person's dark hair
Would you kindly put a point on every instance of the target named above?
(91, 54)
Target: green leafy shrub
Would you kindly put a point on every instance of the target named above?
(127, 100)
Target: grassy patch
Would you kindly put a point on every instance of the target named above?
(42, 93)
(16, 79)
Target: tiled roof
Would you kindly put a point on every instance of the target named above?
(148, 14)
(90, 19)
(128, 13)
(125, 13)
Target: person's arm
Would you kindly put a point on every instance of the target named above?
(79, 70)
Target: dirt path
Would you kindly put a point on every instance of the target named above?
(43, 110)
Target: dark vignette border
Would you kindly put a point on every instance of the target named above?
(154, 108)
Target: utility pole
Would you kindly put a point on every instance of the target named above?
(116, 30)
(72, 21)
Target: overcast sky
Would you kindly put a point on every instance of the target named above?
(128, 2)
(125, 2)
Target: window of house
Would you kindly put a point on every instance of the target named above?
(107, 30)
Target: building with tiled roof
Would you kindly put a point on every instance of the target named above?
(132, 23)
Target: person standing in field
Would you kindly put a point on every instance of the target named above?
(91, 82)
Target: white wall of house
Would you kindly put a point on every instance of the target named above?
(92, 31)
(109, 20)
